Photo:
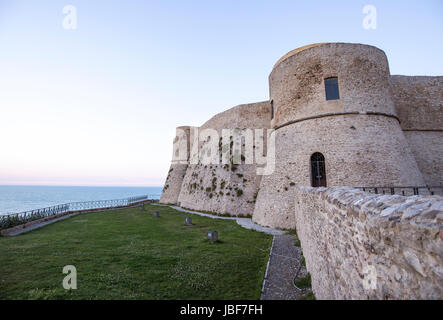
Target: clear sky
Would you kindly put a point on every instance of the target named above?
(98, 105)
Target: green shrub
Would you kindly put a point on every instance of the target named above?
(303, 283)
(307, 296)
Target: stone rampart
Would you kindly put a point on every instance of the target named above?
(419, 105)
(364, 246)
(225, 188)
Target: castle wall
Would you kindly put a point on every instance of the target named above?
(383, 131)
(350, 237)
(225, 189)
(359, 134)
(418, 102)
(173, 184)
(419, 105)
(177, 171)
(297, 82)
(427, 148)
(364, 151)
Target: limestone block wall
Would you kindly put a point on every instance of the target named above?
(226, 188)
(363, 246)
(173, 184)
(419, 105)
(359, 134)
(297, 82)
(418, 101)
(359, 150)
(427, 148)
(383, 131)
(179, 165)
(219, 189)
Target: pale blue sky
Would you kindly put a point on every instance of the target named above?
(99, 105)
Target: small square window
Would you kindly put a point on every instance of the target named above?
(331, 87)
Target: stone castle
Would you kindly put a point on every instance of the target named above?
(340, 121)
(337, 103)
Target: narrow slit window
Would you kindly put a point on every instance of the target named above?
(272, 110)
(331, 87)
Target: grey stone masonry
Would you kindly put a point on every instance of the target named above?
(364, 246)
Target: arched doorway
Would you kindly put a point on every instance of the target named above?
(318, 170)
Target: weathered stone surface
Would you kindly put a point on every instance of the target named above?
(358, 134)
(383, 131)
(419, 105)
(225, 189)
(341, 251)
(178, 168)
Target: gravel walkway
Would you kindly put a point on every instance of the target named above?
(284, 260)
(244, 222)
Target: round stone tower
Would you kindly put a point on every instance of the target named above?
(335, 125)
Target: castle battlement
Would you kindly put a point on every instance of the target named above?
(334, 105)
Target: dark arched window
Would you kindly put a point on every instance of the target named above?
(272, 109)
(318, 170)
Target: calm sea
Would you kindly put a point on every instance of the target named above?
(15, 199)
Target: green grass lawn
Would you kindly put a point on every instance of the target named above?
(129, 254)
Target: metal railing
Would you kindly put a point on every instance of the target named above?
(15, 219)
(405, 191)
(154, 196)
